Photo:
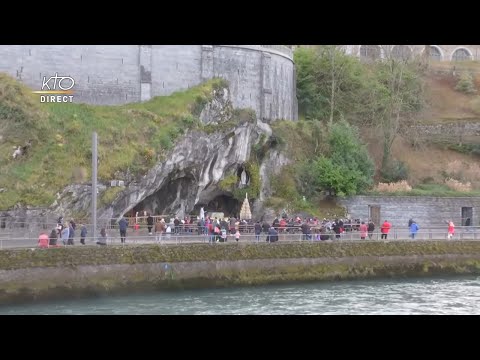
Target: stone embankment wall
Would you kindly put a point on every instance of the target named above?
(42, 274)
(425, 210)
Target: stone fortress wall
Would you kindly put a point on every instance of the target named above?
(261, 77)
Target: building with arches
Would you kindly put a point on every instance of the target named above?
(435, 52)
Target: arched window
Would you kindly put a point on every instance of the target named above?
(370, 52)
(435, 53)
(461, 55)
(401, 52)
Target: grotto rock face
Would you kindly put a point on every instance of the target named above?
(271, 166)
(193, 171)
(190, 173)
(194, 168)
(218, 109)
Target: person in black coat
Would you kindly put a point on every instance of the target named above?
(71, 233)
(53, 238)
(258, 231)
(266, 227)
(370, 228)
(272, 235)
(149, 224)
(83, 234)
(123, 225)
(306, 231)
(336, 229)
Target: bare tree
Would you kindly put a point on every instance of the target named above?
(337, 63)
(400, 101)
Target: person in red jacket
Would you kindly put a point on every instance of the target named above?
(363, 230)
(386, 226)
(43, 240)
(451, 229)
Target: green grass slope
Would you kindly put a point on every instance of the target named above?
(131, 138)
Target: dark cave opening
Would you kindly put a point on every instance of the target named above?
(221, 203)
(164, 201)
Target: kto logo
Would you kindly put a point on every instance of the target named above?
(61, 86)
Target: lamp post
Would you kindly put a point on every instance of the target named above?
(94, 185)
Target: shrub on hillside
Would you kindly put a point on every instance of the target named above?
(395, 171)
(455, 167)
(428, 180)
(400, 186)
(458, 185)
(465, 84)
(462, 171)
(475, 104)
(473, 172)
(475, 150)
(347, 169)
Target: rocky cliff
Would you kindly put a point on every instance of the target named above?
(189, 175)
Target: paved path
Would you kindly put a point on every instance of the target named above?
(6, 242)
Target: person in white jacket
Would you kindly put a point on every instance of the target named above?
(168, 231)
(65, 234)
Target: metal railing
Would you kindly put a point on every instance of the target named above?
(138, 237)
(111, 224)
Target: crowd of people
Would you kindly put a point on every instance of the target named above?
(218, 230)
(66, 233)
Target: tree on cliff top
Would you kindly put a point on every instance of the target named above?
(328, 82)
(396, 97)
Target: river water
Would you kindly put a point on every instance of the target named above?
(398, 296)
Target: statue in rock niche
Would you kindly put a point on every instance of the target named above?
(243, 178)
